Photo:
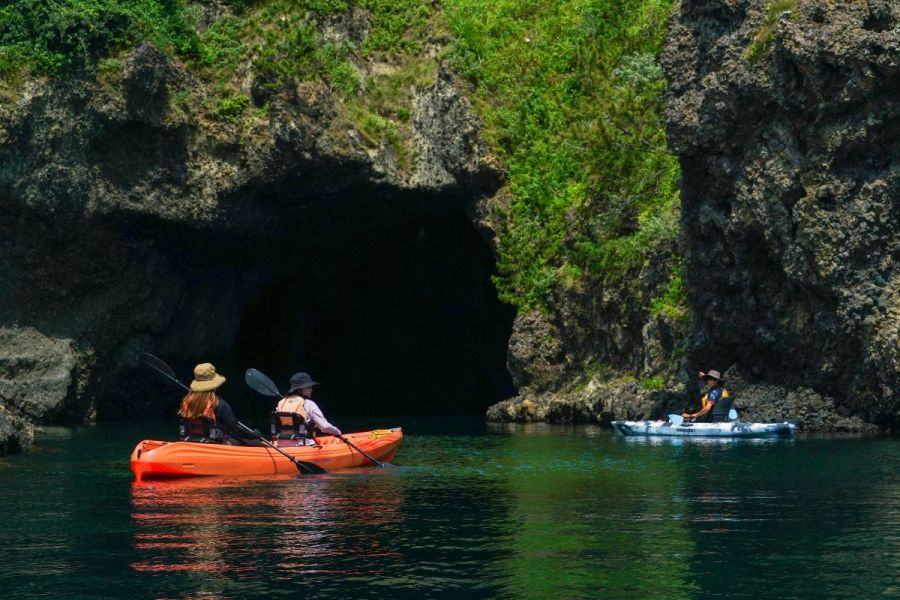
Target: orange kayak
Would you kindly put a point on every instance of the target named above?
(154, 459)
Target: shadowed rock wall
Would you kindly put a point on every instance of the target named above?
(788, 130)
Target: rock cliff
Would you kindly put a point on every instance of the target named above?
(145, 210)
(786, 119)
(132, 221)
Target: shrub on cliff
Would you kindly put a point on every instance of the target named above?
(44, 36)
(571, 93)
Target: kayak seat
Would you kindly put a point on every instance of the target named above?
(288, 426)
(201, 429)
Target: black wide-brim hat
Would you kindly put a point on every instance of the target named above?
(300, 381)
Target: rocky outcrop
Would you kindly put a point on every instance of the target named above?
(767, 403)
(598, 401)
(598, 354)
(447, 135)
(16, 434)
(787, 128)
(41, 377)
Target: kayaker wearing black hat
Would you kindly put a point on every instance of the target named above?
(715, 403)
(298, 401)
(206, 417)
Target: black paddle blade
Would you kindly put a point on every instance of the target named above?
(157, 366)
(261, 384)
(310, 468)
(147, 360)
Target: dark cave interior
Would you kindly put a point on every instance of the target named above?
(396, 317)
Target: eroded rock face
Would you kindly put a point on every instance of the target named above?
(791, 195)
(446, 134)
(39, 376)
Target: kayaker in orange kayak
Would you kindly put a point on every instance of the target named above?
(206, 417)
(298, 401)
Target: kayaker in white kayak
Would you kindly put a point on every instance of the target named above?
(715, 403)
(206, 417)
(298, 401)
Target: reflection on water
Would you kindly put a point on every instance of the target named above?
(532, 511)
(221, 525)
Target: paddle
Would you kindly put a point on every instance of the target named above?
(265, 386)
(156, 365)
(678, 419)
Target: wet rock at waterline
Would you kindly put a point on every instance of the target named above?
(16, 434)
(595, 402)
(787, 129)
(761, 403)
(41, 377)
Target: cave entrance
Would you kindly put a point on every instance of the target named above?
(399, 317)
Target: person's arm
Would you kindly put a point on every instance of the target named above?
(317, 419)
(711, 400)
(225, 416)
(699, 413)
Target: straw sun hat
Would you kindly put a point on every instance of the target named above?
(205, 378)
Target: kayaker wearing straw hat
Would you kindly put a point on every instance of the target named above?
(715, 403)
(298, 401)
(206, 417)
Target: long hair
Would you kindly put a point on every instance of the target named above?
(199, 404)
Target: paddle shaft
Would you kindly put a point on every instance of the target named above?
(361, 451)
(298, 463)
(169, 374)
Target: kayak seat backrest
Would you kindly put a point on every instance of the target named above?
(288, 426)
(201, 429)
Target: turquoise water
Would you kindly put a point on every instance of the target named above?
(471, 510)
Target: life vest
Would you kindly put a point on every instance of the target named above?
(721, 408)
(288, 426)
(296, 405)
(719, 412)
(202, 428)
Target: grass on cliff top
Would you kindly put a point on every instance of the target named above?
(571, 92)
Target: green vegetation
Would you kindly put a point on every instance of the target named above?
(232, 107)
(653, 383)
(42, 36)
(571, 94)
(673, 302)
(763, 37)
(398, 26)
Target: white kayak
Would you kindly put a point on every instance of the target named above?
(734, 429)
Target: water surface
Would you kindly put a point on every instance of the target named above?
(507, 511)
